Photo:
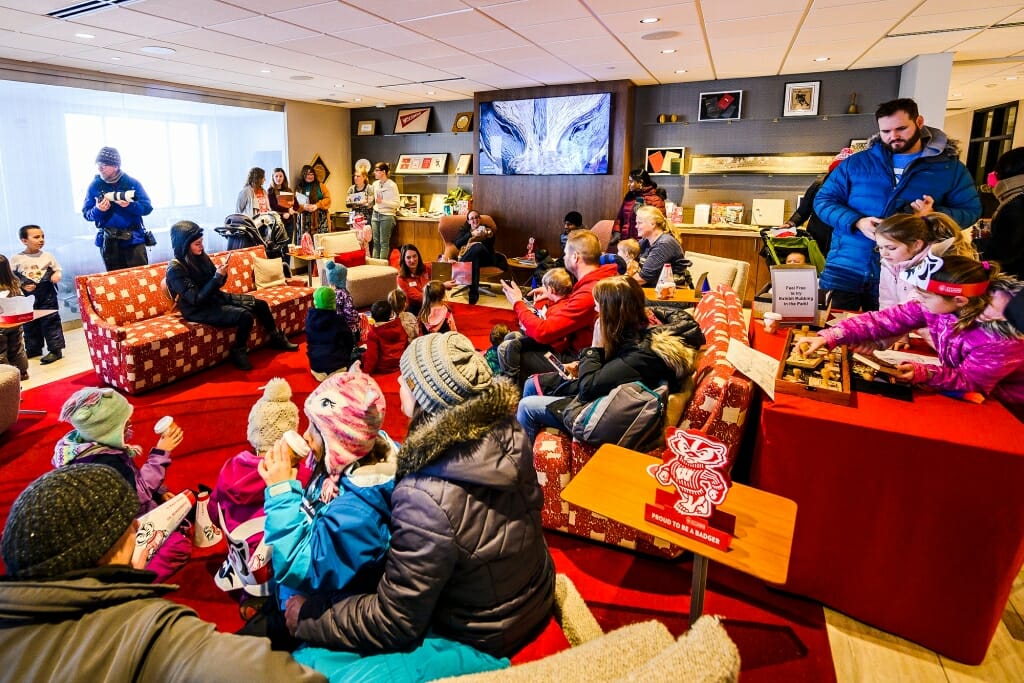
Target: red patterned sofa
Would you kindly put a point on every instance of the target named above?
(718, 407)
(137, 339)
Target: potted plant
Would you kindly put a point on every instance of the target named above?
(457, 201)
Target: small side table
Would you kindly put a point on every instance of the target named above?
(615, 483)
(522, 271)
(309, 260)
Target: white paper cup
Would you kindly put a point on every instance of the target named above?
(163, 424)
(295, 442)
(771, 321)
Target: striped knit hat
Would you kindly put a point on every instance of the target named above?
(348, 410)
(443, 370)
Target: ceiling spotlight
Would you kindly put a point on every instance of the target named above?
(680, 71)
(157, 50)
(264, 71)
(668, 51)
(650, 20)
(821, 59)
(339, 85)
(86, 36)
(115, 59)
(359, 99)
(379, 105)
(958, 94)
(1011, 78)
(430, 92)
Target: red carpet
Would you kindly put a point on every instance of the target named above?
(780, 637)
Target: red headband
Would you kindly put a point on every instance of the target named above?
(967, 289)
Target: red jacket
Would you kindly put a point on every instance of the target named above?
(413, 288)
(570, 325)
(384, 346)
(625, 220)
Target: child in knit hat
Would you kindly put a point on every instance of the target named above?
(329, 338)
(337, 276)
(335, 531)
(236, 503)
(102, 427)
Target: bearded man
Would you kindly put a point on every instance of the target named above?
(907, 168)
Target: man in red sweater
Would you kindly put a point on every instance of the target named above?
(570, 326)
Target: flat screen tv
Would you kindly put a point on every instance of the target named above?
(545, 136)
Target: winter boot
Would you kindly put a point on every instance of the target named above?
(279, 341)
(240, 358)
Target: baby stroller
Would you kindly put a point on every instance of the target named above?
(265, 230)
(775, 250)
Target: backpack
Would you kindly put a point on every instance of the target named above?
(631, 416)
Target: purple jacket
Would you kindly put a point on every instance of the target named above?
(976, 359)
(148, 480)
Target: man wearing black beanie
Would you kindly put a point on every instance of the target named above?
(72, 607)
(116, 203)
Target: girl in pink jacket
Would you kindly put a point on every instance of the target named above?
(977, 355)
(902, 242)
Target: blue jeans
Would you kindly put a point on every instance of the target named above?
(381, 226)
(533, 413)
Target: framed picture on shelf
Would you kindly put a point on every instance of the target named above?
(858, 144)
(801, 99)
(412, 120)
(665, 160)
(766, 164)
(463, 122)
(464, 165)
(422, 164)
(368, 127)
(409, 203)
(720, 106)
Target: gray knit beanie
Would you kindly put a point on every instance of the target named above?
(443, 370)
(272, 415)
(65, 520)
(109, 156)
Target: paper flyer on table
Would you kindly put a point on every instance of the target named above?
(759, 367)
(897, 357)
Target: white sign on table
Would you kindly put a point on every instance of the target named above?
(795, 293)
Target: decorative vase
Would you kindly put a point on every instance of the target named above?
(852, 109)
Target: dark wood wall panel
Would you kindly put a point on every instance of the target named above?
(533, 206)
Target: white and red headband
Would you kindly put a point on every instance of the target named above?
(921, 274)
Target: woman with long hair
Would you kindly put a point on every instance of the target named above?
(385, 205)
(195, 284)
(282, 200)
(626, 349)
(640, 191)
(253, 200)
(313, 212)
(412, 276)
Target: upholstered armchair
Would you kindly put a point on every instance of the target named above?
(448, 227)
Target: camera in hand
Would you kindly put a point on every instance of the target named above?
(121, 196)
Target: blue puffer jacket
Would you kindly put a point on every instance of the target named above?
(121, 218)
(864, 185)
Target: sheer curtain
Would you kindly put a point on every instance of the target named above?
(191, 157)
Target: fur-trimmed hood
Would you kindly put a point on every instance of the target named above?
(447, 443)
(934, 142)
(676, 341)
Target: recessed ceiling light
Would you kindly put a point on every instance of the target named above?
(668, 51)
(157, 50)
(339, 85)
(115, 59)
(958, 94)
(359, 99)
(430, 92)
(821, 59)
(87, 36)
(680, 71)
(650, 20)
(1011, 78)
(264, 71)
(379, 105)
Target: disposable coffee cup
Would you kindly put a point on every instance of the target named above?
(163, 424)
(771, 321)
(295, 442)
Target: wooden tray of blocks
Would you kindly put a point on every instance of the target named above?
(822, 376)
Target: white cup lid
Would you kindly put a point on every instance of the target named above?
(296, 442)
(162, 424)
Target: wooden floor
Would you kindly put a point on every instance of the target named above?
(861, 654)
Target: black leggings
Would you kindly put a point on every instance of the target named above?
(240, 311)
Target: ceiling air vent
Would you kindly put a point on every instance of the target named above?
(328, 100)
(82, 8)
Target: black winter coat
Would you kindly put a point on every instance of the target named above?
(328, 340)
(1006, 245)
(468, 557)
(197, 289)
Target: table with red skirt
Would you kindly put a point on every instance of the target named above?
(911, 513)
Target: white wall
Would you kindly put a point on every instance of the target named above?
(958, 127)
(325, 130)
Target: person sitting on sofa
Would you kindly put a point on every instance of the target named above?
(195, 284)
(628, 350)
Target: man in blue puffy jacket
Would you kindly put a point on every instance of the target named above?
(116, 203)
(907, 168)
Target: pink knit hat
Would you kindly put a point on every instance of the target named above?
(347, 409)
